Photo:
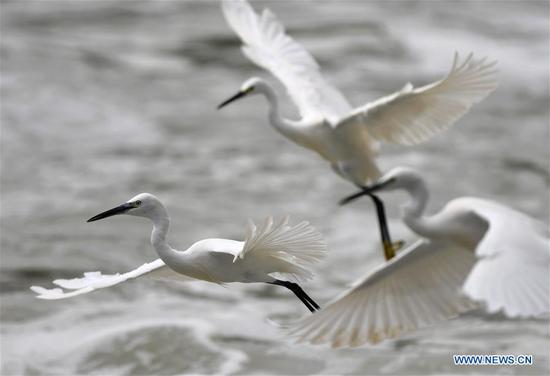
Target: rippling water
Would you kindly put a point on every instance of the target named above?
(103, 100)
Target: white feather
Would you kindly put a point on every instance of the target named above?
(349, 138)
(267, 45)
(271, 249)
(298, 247)
(417, 288)
(513, 272)
(96, 280)
(475, 248)
(411, 116)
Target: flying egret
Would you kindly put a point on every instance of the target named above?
(348, 138)
(473, 251)
(274, 248)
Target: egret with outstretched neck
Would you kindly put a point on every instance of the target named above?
(348, 138)
(473, 252)
(273, 248)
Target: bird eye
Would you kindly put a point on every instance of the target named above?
(138, 203)
(249, 89)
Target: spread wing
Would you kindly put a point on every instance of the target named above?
(418, 287)
(95, 280)
(513, 271)
(411, 116)
(295, 248)
(267, 45)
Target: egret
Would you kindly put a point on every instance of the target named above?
(272, 249)
(349, 138)
(473, 252)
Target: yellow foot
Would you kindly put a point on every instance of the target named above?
(391, 248)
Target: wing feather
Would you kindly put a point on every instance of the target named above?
(299, 246)
(513, 271)
(92, 281)
(413, 290)
(411, 116)
(267, 45)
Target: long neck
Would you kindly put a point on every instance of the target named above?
(413, 211)
(285, 126)
(161, 224)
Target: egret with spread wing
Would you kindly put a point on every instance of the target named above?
(268, 251)
(473, 248)
(348, 138)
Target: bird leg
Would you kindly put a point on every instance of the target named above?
(389, 247)
(297, 290)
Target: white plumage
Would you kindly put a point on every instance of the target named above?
(298, 247)
(411, 116)
(271, 251)
(416, 288)
(267, 45)
(513, 272)
(473, 248)
(96, 280)
(348, 138)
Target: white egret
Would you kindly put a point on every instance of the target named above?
(267, 252)
(474, 248)
(348, 138)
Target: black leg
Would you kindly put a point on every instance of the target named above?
(382, 221)
(387, 244)
(389, 247)
(389, 251)
(297, 290)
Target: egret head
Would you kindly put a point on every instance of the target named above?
(143, 205)
(252, 86)
(395, 179)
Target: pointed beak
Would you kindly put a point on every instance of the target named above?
(114, 211)
(240, 94)
(369, 190)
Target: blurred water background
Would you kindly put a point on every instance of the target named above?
(102, 100)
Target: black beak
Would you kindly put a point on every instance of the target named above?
(114, 211)
(240, 94)
(366, 191)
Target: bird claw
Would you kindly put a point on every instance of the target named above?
(390, 248)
